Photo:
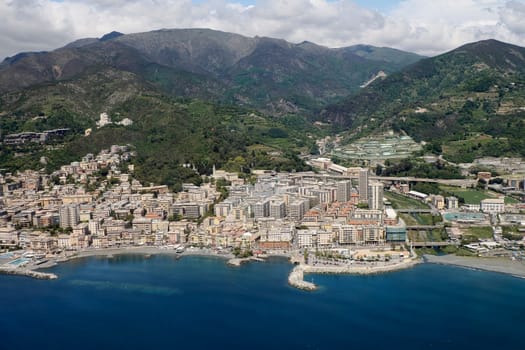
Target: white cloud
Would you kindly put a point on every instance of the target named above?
(513, 17)
(427, 27)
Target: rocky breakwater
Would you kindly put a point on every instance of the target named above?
(296, 279)
(28, 273)
(238, 261)
(365, 269)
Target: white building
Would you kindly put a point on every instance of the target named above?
(125, 122)
(344, 189)
(261, 209)
(363, 185)
(298, 208)
(452, 203)
(492, 205)
(69, 215)
(375, 199)
(306, 238)
(222, 209)
(104, 120)
(277, 209)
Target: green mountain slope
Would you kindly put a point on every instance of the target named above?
(166, 132)
(160, 81)
(265, 73)
(397, 58)
(469, 101)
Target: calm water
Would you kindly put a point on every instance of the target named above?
(135, 303)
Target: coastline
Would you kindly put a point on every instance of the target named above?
(145, 251)
(34, 270)
(499, 265)
(296, 276)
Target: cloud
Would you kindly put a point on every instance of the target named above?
(426, 27)
(512, 16)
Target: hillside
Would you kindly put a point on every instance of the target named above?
(166, 132)
(264, 73)
(466, 103)
(179, 87)
(397, 58)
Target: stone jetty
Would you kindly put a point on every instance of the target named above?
(28, 273)
(238, 261)
(296, 279)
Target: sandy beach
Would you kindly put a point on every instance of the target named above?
(296, 277)
(501, 265)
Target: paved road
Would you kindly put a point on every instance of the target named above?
(450, 182)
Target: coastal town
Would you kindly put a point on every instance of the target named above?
(332, 220)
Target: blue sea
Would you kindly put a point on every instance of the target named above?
(133, 302)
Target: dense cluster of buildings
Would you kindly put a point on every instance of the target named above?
(96, 203)
(284, 211)
(46, 213)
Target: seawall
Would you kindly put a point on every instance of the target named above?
(296, 279)
(28, 273)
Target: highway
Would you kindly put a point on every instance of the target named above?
(449, 182)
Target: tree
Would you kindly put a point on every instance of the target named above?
(175, 217)
(482, 184)
(236, 251)
(314, 150)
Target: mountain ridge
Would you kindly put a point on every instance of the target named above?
(211, 60)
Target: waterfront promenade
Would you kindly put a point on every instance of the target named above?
(296, 276)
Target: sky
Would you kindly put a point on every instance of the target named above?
(427, 27)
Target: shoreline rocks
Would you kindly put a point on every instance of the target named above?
(296, 277)
(29, 273)
(239, 261)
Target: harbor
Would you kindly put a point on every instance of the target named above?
(296, 277)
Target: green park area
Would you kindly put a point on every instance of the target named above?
(400, 201)
(512, 233)
(473, 196)
(435, 235)
(474, 233)
(414, 219)
(451, 249)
